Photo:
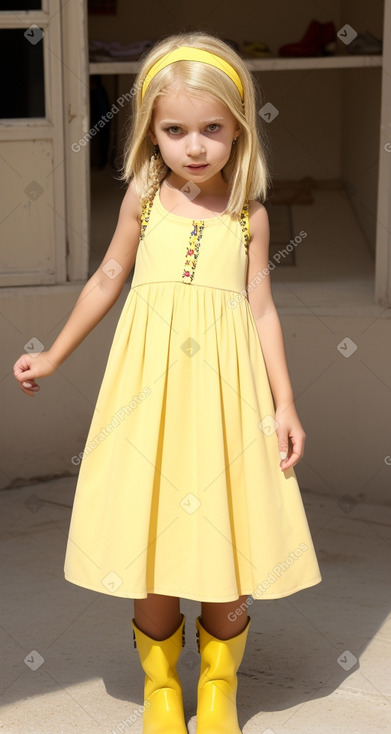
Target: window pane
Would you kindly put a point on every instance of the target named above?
(23, 88)
(20, 5)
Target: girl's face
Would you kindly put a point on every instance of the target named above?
(191, 131)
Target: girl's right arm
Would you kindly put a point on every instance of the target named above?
(95, 300)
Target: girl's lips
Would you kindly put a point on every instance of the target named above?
(194, 168)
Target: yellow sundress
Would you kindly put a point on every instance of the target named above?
(180, 490)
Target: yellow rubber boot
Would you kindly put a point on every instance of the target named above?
(163, 699)
(217, 685)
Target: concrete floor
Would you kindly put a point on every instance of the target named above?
(316, 662)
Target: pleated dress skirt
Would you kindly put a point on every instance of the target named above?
(180, 490)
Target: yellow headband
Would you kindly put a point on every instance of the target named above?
(188, 53)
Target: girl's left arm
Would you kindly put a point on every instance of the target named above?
(291, 435)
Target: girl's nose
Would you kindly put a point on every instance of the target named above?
(195, 145)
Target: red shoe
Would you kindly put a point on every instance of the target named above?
(314, 42)
(328, 39)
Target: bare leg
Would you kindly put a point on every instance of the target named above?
(224, 620)
(158, 616)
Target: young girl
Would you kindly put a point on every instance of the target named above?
(186, 486)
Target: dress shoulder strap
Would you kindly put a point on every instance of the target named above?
(245, 224)
(144, 217)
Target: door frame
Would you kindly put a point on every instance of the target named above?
(383, 231)
(74, 23)
(50, 127)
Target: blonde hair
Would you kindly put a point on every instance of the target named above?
(246, 171)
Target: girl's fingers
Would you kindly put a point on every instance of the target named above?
(294, 454)
(21, 376)
(22, 368)
(29, 388)
(290, 461)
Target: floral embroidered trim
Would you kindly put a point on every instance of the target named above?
(195, 237)
(144, 217)
(192, 250)
(244, 222)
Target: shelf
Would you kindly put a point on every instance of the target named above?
(274, 64)
(314, 62)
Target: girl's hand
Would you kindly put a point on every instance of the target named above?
(291, 436)
(30, 366)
